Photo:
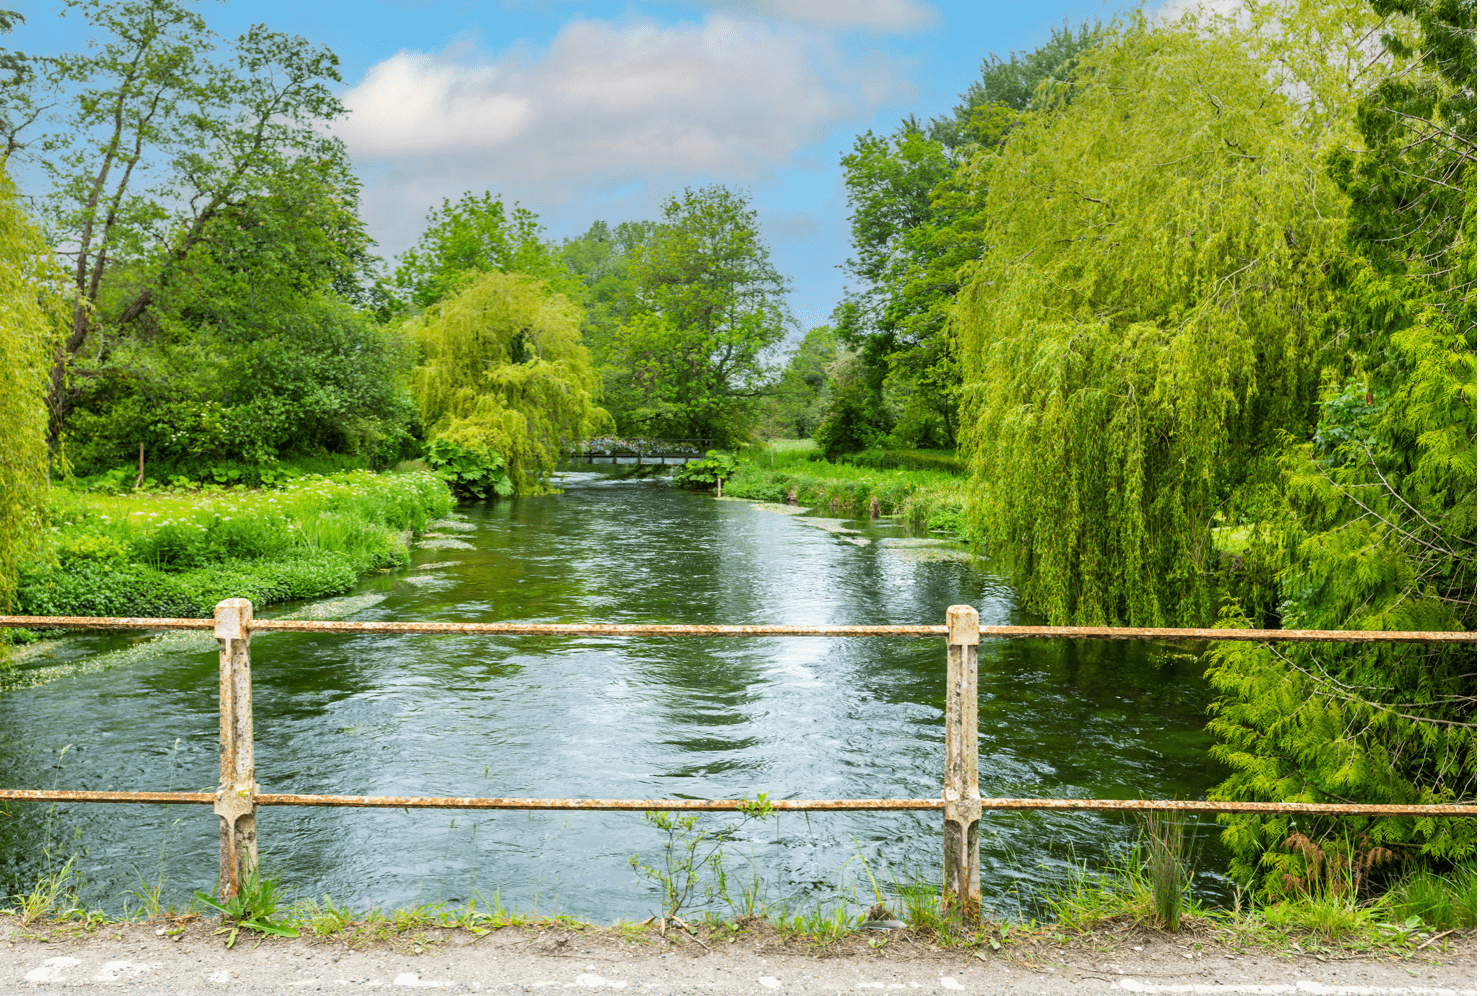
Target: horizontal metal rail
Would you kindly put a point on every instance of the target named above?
(238, 795)
(735, 805)
(665, 629)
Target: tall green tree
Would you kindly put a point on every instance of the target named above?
(29, 321)
(19, 107)
(712, 305)
(1144, 328)
(604, 262)
(478, 234)
(797, 405)
(505, 373)
(159, 141)
(915, 226)
(260, 343)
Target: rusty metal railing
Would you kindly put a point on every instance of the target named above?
(666, 629)
(238, 795)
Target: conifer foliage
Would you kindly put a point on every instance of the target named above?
(1372, 523)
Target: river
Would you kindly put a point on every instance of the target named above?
(607, 717)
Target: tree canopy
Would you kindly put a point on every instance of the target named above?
(1371, 521)
(505, 371)
(711, 303)
(1140, 329)
(475, 235)
(29, 321)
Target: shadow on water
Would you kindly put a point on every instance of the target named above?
(609, 717)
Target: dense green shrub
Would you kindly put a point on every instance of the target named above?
(178, 553)
(472, 472)
(718, 465)
(105, 589)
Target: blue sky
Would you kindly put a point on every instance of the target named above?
(599, 110)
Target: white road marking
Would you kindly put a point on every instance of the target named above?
(592, 981)
(224, 975)
(1301, 986)
(51, 969)
(113, 970)
(949, 983)
(770, 982)
(410, 979)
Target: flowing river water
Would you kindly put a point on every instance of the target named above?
(608, 717)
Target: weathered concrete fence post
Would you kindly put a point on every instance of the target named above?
(962, 806)
(236, 793)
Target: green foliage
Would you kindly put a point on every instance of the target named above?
(1440, 901)
(796, 404)
(1169, 871)
(1015, 83)
(709, 472)
(604, 261)
(476, 235)
(473, 473)
(692, 872)
(918, 495)
(1372, 524)
(1141, 331)
(945, 461)
(28, 324)
(915, 224)
(505, 371)
(713, 303)
(161, 144)
(253, 907)
(853, 418)
(180, 554)
(324, 378)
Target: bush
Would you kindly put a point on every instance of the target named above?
(717, 466)
(472, 472)
(177, 554)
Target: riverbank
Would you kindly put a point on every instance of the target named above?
(179, 552)
(928, 499)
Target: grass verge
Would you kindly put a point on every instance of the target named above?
(927, 498)
(179, 552)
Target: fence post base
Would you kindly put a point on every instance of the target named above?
(962, 807)
(236, 792)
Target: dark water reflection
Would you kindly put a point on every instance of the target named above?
(610, 717)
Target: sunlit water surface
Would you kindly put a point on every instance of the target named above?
(608, 717)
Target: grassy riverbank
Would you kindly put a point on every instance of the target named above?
(932, 499)
(179, 552)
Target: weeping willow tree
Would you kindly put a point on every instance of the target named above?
(505, 372)
(28, 327)
(1143, 325)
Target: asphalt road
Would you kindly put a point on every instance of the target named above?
(135, 959)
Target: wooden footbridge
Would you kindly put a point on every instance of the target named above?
(615, 449)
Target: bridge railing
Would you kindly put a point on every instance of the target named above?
(638, 448)
(238, 795)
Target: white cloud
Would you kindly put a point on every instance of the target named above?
(869, 15)
(606, 101)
